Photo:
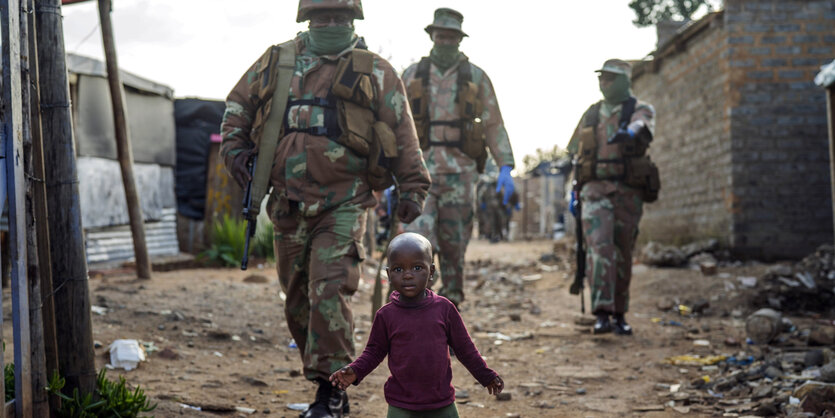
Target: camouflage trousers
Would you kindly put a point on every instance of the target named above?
(611, 213)
(318, 269)
(447, 221)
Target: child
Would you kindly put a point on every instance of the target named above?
(414, 330)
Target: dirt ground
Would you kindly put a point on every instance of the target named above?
(222, 342)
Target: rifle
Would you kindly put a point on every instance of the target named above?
(250, 215)
(577, 287)
(394, 225)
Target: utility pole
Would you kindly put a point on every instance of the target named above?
(69, 264)
(123, 147)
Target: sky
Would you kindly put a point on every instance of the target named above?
(539, 54)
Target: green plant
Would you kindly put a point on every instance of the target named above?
(9, 378)
(228, 238)
(113, 399)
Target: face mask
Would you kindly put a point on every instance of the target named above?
(330, 39)
(443, 56)
(618, 91)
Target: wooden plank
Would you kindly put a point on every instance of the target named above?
(31, 123)
(830, 111)
(12, 116)
(9, 409)
(123, 146)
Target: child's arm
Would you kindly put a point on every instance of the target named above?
(374, 353)
(343, 377)
(468, 355)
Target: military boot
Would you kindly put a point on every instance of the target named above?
(331, 402)
(620, 326)
(602, 324)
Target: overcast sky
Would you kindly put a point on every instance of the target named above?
(540, 54)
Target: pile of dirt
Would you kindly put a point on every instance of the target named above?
(807, 286)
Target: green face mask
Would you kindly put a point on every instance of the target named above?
(443, 56)
(618, 91)
(330, 39)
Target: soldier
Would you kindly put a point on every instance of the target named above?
(614, 177)
(457, 118)
(341, 128)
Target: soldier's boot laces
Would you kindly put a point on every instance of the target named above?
(331, 402)
(602, 325)
(620, 326)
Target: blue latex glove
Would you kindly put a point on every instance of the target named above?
(572, 205)
(505, 181)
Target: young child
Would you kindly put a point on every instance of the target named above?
(414, 329)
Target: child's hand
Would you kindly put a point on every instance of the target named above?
(495, 387)
(343, 378)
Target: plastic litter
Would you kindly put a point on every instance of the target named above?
(690, 360)
(126, 354)
(298, 406)
(743, 361)
(292, 344)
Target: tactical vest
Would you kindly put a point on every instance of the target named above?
(639, 170)
(468, 106)
(350, 118)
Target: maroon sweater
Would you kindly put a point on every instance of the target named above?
(415, 338)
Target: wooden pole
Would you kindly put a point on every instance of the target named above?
(74, 331)
(830, 110)
(13, 133)
(42, 311)
(123, 147)
(42, 224)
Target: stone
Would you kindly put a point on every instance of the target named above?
(581, 391)
(762, 391)
(656, 254)
(504, 396)
(168, 353)
(256, 278)
(664, 304)
(813, 358)
(816, 397)
(828, 372)
(822, 336)
(461, 394)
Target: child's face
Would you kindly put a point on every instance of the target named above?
(410, 270)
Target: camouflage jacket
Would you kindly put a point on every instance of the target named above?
(313, 170)
(443, 88)
(606, 127)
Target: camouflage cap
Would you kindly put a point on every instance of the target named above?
(306, 7)
(616, 66)
(446, 18)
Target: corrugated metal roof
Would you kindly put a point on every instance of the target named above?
(80, 64)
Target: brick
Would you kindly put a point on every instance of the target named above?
(758, 27)
(760, 50)
(820, 50)
(804, 39)
(790, 120)
(801, 85)
(773, 39)
(774, 62)
(733, 40)
(788, 50)
(818, 27)
(806, 62)
(759, 7)
(787, 27)
(829, 39)
(791, 74)
(760, 75)
(736, 63)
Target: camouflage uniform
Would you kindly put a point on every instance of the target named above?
(320, 196)
(447, 218)
(611, 211)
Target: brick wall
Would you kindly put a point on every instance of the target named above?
(692, 140)
(781, 180)
(741, 138)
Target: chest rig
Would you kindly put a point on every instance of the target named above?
(350, 116)
(468, 107)
(638, 169)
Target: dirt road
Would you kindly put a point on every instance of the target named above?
(219, 340)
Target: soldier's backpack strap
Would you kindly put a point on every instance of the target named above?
(423, 71)
(465, 74)
(272, 126)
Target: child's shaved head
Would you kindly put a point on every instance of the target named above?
(410, 240)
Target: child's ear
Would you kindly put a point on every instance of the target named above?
(431, 271)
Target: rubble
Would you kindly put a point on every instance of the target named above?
(809, 285)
